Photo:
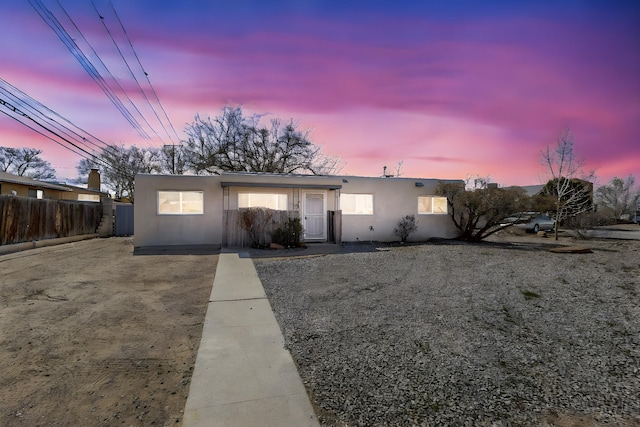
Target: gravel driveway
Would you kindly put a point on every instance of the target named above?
(460, 334)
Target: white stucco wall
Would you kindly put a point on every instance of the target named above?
(393, 198)
(151, 229)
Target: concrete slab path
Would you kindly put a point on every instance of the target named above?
(243, 375)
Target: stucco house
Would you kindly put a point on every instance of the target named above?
(187, 210)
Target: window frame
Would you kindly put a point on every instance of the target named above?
(180, 202)
(356, 213)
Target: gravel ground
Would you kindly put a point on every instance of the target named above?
(491, 334)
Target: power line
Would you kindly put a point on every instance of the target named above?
(124, 59)
(88, 66)
(27, 104)
(155, 94)
(69, 138)
(21, 113)
(70, 43)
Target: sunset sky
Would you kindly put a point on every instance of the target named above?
(451, 88)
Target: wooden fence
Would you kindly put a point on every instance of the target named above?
(25, 219)
(265, 222)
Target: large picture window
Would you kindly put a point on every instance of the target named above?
(277, 202)
(356, 204)
(180, 202)
(431, 205)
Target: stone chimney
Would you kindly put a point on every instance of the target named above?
(94, 180)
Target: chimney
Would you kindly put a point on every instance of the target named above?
(93, 182)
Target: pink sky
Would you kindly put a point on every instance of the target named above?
(451, 90)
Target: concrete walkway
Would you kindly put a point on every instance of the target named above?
(243, 375)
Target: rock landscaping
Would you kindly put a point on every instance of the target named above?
(492, 334)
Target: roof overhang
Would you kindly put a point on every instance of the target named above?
(33, 183)
(281, 185)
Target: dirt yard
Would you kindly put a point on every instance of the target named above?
(94, 335)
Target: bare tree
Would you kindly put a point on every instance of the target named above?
(570, 187)
(118, 167)
(478, 211)
(618, 196)
(172, 159)
(25, 162)
(232, 142)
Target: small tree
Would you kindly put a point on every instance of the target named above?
(25, 162)
(407, 225)
(568, 185)
(478, 213)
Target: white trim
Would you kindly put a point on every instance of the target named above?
(179, 202)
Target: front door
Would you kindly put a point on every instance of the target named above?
(314, 216)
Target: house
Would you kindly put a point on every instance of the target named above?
(202, 210)
(29, 187)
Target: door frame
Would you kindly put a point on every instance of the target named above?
(324, 213)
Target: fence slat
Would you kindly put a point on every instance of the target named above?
(236, 236)
(24, 219)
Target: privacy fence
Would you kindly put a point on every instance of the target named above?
(256, 226)
(25, 219)
(252, 227)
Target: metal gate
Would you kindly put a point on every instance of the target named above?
(124, 220)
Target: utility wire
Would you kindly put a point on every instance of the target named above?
(63, 35)
(76, 148)
(124, 59)
(36, 111)
(166, 116)
(104, 66)
(21, 113)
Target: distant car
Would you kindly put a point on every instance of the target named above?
(530, 221)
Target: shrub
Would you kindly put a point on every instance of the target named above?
(288, 234)
(584, 223)
(407, 225)
(254, 222)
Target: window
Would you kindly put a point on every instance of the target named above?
(277, 202)
(428, 205)
(356, 204)
(36, 194)
(89, 197)
(180, 202)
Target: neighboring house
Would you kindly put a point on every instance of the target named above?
(83, 194)
(29, 187)
(532, 190)
(197, 210)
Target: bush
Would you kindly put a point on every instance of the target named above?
(584, 223)
(288, 234)
(254, 222)
(407, 225)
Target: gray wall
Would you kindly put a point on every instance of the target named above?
(151, 229)
(393, 198)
